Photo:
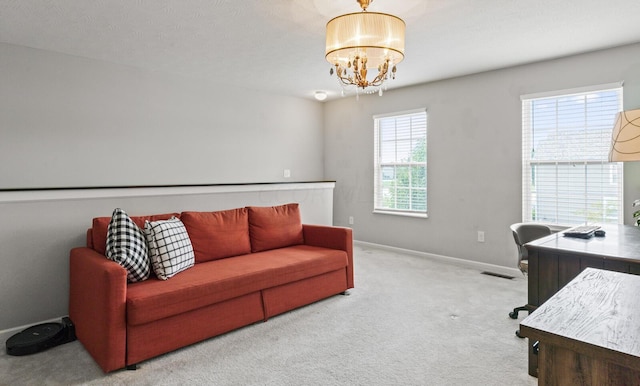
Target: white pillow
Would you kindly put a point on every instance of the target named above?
(127, 246)
(170, 248)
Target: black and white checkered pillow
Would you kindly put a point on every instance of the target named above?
(127, 246)
(170, 248)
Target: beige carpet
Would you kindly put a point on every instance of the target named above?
(409, 321)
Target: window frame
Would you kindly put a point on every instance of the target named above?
(527, 147)
(378, 207)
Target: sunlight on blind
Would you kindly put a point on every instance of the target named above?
(401, 163)
(566, 176)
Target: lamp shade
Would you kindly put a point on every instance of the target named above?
(377, 36)
(625, 140)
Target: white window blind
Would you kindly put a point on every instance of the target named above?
(566, 176)
(400, 181)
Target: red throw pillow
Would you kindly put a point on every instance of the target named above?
(274, 227)
(100, 225)
(215, 235)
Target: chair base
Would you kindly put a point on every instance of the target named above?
(514, 314)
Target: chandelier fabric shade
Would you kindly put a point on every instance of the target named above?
(363, 42)
(378, 36)
(625, 140)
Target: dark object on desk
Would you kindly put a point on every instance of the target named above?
(599, 233)
(522, 234)
(582, 231)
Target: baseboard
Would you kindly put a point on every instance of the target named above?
(8, 333)
(447, 259)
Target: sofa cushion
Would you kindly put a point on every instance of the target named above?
(274, 227)
(170, 248)
(214, 281)
(127, 246)
(100, 224)
(215, 235)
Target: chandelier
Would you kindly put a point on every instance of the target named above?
(357, 42)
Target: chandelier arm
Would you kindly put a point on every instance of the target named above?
(346, 80)
(382, 75)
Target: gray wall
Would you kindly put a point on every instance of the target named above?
(474, 153)
(67, 121)
(73, 122)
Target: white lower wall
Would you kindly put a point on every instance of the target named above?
(38, 229)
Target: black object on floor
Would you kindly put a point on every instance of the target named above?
(41, 337)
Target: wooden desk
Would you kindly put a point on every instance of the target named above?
(589, 332)
(555, 260)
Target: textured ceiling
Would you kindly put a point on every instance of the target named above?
(278, 45)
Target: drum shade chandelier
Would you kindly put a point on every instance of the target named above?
(625, 140)
(357, 42)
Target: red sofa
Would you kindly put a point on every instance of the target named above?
(248, 267)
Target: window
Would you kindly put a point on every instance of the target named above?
(400, 181)
(566, 176)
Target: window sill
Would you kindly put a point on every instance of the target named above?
(403, 214)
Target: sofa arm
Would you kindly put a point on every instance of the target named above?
(334, 238)
(97, 306)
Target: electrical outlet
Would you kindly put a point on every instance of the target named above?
(286, 173)
(350, 220)
(481, 236)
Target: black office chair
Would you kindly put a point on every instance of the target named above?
(522, 234)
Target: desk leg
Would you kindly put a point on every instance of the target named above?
(533, 359)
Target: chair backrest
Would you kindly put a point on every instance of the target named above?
(526, 232)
